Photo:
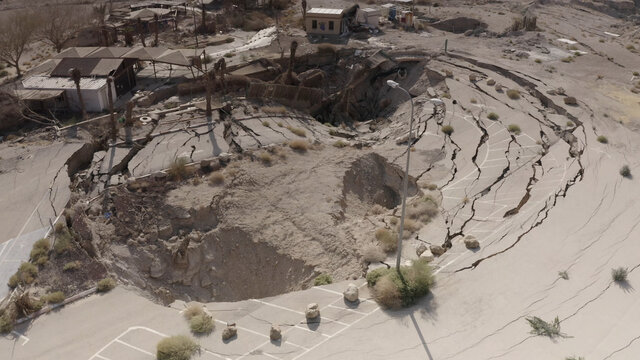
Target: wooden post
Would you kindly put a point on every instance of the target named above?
(128, 123)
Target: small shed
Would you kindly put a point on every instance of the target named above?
(321, 21)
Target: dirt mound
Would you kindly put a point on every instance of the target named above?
(376, 181)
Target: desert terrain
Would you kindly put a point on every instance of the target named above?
(287, 190)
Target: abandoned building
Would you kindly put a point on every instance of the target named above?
(322, 21)
(93, 84)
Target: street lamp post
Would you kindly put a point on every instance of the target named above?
(405, 181)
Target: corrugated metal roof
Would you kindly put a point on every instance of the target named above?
(87, 66)
(35, 94)
(62, 83)
(323, 11)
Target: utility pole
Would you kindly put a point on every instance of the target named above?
(112, 117)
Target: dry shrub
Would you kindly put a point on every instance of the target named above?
(274, 110)
(178, 169)
(340, 144)
(71, 266)
(201, 324)
(39, 252)
(387, 239)
(250, 21)
(326, 49)
(297, 131)
(216, 178)
(393, 221)
(410, 227)
(393, 291)
(265, 157)
(527, 23)
(105, 285)
(493, 116)
(513, 94)
(63, 239)
(423, 209)
(25, 275)
(194, 309)
(299, 145)
(373, 254)
(54, 297)
(178, 347)
(266, 124)
(377, 209)
(387, 294)
(322, 279)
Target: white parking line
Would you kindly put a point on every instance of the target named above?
(134, 347)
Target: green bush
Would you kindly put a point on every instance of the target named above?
(25, 275)
(3, 73)
(54, 297)
(392, 291)
(603, 139)
(513, 128)
(493, 116)
(574, 358)
(105, 285)
(201, 324)
(177, 347)
(322, 279)
(542, 328)
(447, 129)
(570, 124)
(619, 275)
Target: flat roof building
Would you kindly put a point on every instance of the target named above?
(321, 21)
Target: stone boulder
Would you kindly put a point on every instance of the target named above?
(351, 293)
(570, 100)
(312, 311)
(427, 256)
(275, 334)
(437, 250)
(491, 82)
(229, 332)
(421, 249)
(471, 242)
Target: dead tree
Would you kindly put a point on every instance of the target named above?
(141, 32)
(16, 32)
(221, 67)
(76, 75)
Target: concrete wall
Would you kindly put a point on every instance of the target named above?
(323, 25)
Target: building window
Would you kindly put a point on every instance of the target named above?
(314, 24)
(330, 25)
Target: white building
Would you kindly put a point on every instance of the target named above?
(94, 90)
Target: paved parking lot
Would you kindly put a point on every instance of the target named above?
(253, 319)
